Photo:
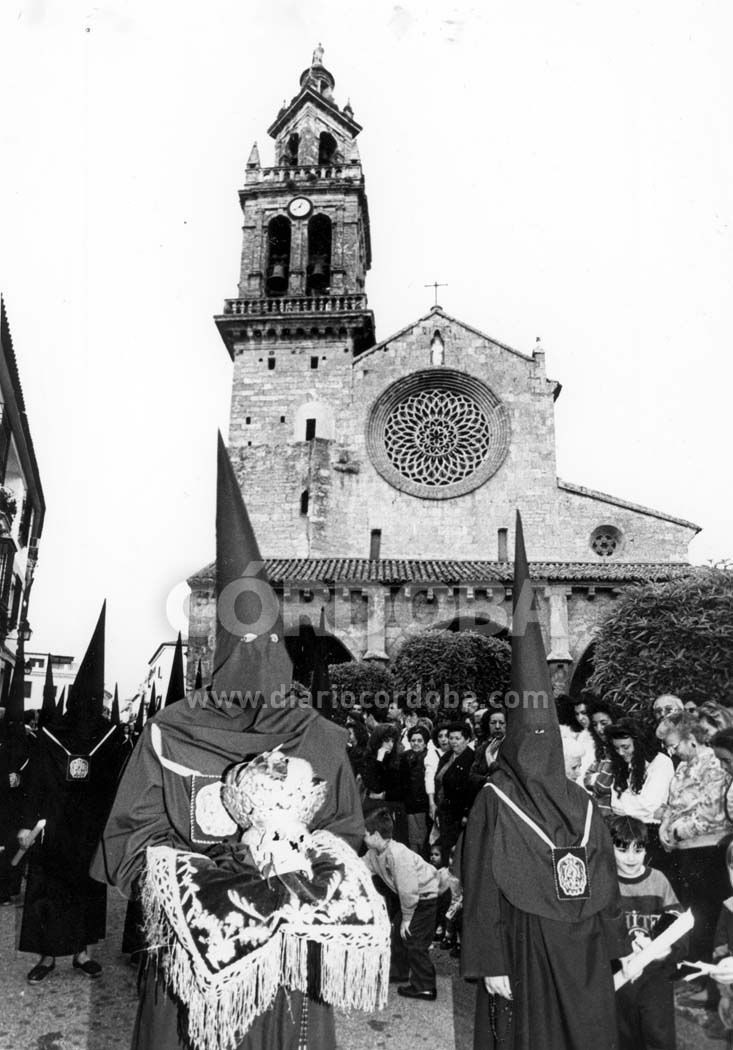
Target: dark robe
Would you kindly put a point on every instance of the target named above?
(541, 901)
(559, 971)
(64, 909)
(154, 807)
(14, 758)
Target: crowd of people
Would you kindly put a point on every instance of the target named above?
(543, 845)
(661, 778)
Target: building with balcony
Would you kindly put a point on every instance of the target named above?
(382, 478)
(22, 505)
(158, 674)
(63, 668)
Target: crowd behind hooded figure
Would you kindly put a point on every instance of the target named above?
(669, 766)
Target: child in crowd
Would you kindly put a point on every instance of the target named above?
(450, 901)
(645, 1006)
(416, 884)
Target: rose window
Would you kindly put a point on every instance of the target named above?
(437, 433)
(605, 541)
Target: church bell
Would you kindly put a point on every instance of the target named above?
(277, 281)
(319, 273)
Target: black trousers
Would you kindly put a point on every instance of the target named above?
(645, 1012)
(411, 957)
(700, 878)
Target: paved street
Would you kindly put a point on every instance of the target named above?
(69, 1012)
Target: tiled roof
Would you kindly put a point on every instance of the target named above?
(412, 570)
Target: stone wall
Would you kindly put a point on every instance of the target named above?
(373, 620)
(348, 497)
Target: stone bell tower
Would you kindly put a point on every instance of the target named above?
(306, 245)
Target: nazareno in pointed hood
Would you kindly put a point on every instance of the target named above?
(115, 712)
(531, 752)
(85, 702)
(251, 664)
(530, 771)
(177, 681)
(321, 691)
(152, 704)
(15, 700)
(48, 707)
(139, 722)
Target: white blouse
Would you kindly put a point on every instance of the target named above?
(653, 795)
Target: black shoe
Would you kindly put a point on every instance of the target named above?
(39, 972)
(407, 991)
(90, 967)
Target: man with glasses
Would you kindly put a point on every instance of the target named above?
(665, 705)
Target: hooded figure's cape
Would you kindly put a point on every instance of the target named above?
(530, 771)
(186, 749)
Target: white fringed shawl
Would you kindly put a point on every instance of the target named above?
(228, 968)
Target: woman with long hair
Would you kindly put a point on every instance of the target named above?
(572, 714)
(357, 745)
(641, 779)
(380, 769)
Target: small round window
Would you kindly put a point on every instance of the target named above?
(606, 541)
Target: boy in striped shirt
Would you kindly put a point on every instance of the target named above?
(645, 1007)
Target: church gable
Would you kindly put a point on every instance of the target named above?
(602, 528)
(443, 411)
(439, 339)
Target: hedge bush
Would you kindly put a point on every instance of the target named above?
(446, 666)
(674, 637)
(368, 684)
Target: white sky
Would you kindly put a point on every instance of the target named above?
(565, 167)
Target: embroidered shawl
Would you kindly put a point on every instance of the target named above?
(227, 937)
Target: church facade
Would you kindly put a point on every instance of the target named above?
(382, 479)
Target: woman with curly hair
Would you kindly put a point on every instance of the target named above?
(713, 718)
(382, 777)
(641, 778)
(599, 775)
(380, 773)
(694, 822)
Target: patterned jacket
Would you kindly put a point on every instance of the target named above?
(695, 813)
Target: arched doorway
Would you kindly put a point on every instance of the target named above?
(308, 645)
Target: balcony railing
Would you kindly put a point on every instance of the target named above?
(304, 173)
(306, 304)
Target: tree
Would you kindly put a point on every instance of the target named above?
(440, 668)
(674, 637)
(368, 684)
